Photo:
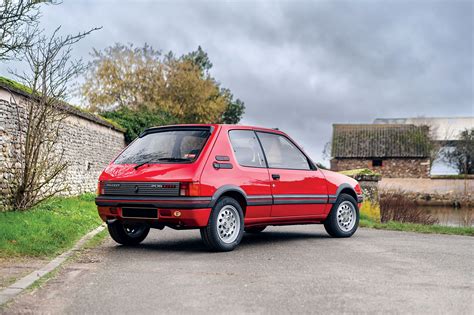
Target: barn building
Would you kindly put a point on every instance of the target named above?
(393, 150)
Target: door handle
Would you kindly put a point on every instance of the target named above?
(276, 176)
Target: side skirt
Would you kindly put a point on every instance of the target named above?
(293, 220)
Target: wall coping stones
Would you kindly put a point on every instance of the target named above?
(15, 87)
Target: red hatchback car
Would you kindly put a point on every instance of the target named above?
(223, 180)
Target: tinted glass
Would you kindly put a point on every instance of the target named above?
(281, 153)
(246, 148)
(173, 146)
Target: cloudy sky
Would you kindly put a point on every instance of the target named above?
(303, 65)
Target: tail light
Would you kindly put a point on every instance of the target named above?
(189, 189)
(100, 188)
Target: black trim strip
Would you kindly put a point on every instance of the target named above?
(147, 198)
(259, 197)
(301, 196)
(332, 199)
(170, 203)
(300, 201)
(259, 200)
(206, 202)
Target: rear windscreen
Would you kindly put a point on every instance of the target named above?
(168, 146)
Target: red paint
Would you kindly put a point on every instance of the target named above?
(205, 180)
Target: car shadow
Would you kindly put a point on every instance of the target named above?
(195, 245)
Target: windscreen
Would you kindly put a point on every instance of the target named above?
(168, 146)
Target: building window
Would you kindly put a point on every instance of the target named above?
(377, 162)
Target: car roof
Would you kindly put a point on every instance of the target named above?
(221, 126)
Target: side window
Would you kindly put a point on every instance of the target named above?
(246, 148)
(281, 153)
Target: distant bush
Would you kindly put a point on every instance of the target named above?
(136, 121)
(396, 206)
(370, 210)
(359, 172)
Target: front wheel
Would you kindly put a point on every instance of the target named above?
(128, 233)
(226, 226)
(343, 219)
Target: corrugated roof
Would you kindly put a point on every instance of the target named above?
(380, 141)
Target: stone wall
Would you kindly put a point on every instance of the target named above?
(391, 168)
(88, 142)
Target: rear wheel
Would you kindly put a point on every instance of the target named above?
(343, 220)
(255, 229)
(226, 226)
(128, 233)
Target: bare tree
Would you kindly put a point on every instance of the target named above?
(38, 163)
(460, 153)
(18, 25)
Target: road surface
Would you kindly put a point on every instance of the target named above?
(296, 269)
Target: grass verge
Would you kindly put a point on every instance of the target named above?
(368, 222)
(49, 228)
(370, 218)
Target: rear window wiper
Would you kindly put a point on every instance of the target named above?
(167, 159)
(141, 164)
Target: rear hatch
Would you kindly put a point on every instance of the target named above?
(158, 159)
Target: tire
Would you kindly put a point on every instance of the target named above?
(255, 229)
(226, 226)
(343, 220)
(128, 233)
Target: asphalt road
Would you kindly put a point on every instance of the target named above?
(296, 269)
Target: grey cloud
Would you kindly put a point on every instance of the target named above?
(303, 65)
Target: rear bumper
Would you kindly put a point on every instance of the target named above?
(173, 211)
(156, 202)
(187, 217)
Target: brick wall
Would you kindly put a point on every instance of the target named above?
(89, 144)
(391, 168)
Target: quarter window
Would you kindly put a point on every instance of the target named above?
(282, 153)
(246, 148)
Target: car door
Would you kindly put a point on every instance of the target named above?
(298, 188)
(251, 173)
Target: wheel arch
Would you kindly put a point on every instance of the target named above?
(230, 191)
(346, 189)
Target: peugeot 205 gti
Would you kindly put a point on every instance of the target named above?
(224, 180)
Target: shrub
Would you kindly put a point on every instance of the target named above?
(360, 172)
(370, 210)
(396, 206)
(137, 121)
